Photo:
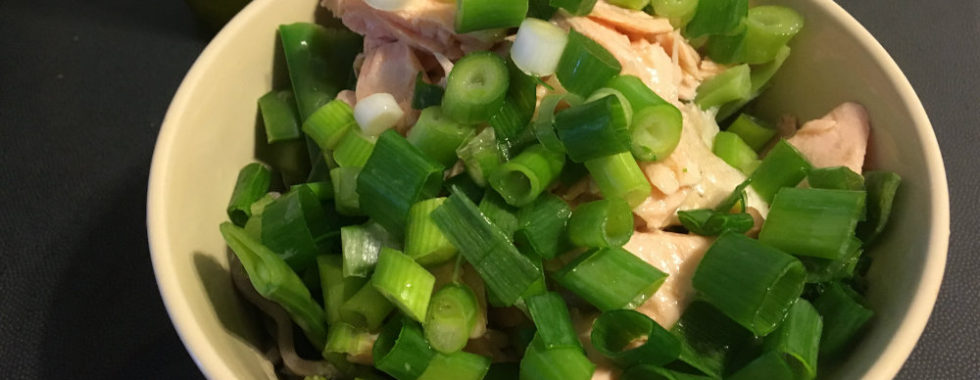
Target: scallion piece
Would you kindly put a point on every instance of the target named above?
(354, 149)
(630, 338)
(602, 223)
(835, 178)
(396, 176)
(752, 283)
(544, 125)
(401, 351)
(844, 317)
(709, 339)
(541, 226)
(344, 181)
(735, 152)
(251, 185)
(343, 338)
(636, 92)
(336, 288)
(274, 280)
(752, 131)
(585, 66)
(623, 101)
(594, 130)
(361, 246)
(717, 17)
(707, 222)
(320, 62)
(367, 308)
(651, 372)
(824, 270)
(480, 156)
(768, 29)
(438, 136)
(466, 185)
(296, 227)
(798, 338)
(630, 4)
(619, 176)
(611, 278)
(575, 7)
(538, 47)
(458, 366)
(507, 273)
(330, 123)
(254, 225)
(679, 12)
(451, 317)
(426, 94)
(473, 15)
(731, 85)
(784, 166)
(882, 187)
(770, 366)
(813, 222)
(521, 180)
(278, 109)
(550, 315)
(403, 282)
(323, 190)
(501, 214)
(560, 363)
(540, 9)
(655, 132)
(476, 87)
(424, 242)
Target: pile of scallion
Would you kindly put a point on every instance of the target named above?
(345, 221)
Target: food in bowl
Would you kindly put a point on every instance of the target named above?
(501, 193)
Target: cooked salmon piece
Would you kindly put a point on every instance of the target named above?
(390, 67)
(838, 139)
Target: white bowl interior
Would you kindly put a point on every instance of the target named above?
(208, 135)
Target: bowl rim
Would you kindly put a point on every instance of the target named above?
(209, 361)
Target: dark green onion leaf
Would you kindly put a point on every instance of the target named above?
(560, 363)
(296, 226)
(367, 308)
(882, 187)
(638, 94)
(473, 15)
(336, 288)
(611, 278)
(717, 17)
(798, 337)
(466, 185)
(844, 318)
(630, 338)
(521, 180)
(501, 214)
(679, 12)
(320, 62)
(550, 315)
(750, 282)
(784, 166)
(733, 84)
(735, 152)
(708, 222)
(650, 372)
(457, 366)
(768, 29)
(619, 176)
(438, 136)
(426, 94)
(251, 185)
(835, 178)
(709, 339)
(752, 131)
(594, 130)
(585, 66)
(330, 123)
(541, 226)
(544, 125)
(601, 223)
(813, 222)
(278, 109)
(575, 7)
(476, 87)
(823, 270)
(401, 351)
(770, 366)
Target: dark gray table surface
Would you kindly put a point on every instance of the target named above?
(84, 86)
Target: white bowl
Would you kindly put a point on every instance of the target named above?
(208, 135)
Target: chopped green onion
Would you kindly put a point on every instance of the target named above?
(679, 12)
(630, 338)
(619, 176)
(560, 363)
(727, 49)
(541, 226)
(451, 317)
(575, 7)
(798, 337)
(882, 187)
(550, 315)
(752, 283)
(733, 84)
(585, 66)
(320, 62)
(521, 180)
(707, 222)
(501, 214)
(346, 339)
(752, 131)
(403, 282)
(540, 9)
(323, 189)
(466, 185)
(784, 166)
(770, 366)
(424, 242)
(278, 109)
(843, 318)
(538, 47)
(595, 129)
(655, 132)
(354, 149)
(735, 152)
(709, 339)
(296, 227)
(367, 308)
(458, 366)
(336, 288)
(636, 92)
(823, 270)
(426, 94)
(717, 17)
(650, 372)
(835, 178)
(611, 278)
(544, 125)
(401, 351)
(330, 123)
(438, 136)
(736, 201)
(476, 87)
(473, 15)
(254, 225)
(630, 4)
(813, 222)
(480, 156)
(361, 246)
(395, 177)
(344, 181)
(274, 280)
(507, 273)
(377, 113)
(602, 223)
(251, 185)
(761, 74)
(769, 28)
